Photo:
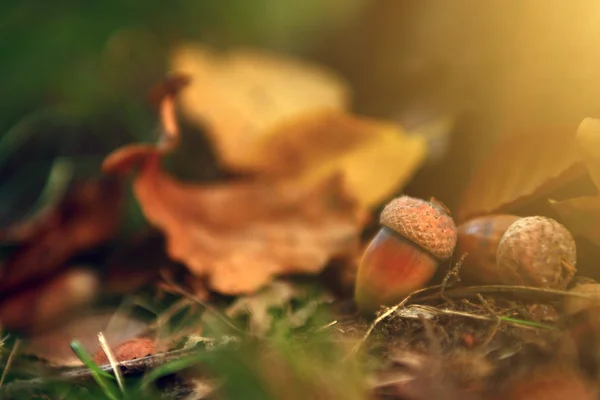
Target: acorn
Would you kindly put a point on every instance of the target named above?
(573, 305)
(536, 251)
(549, 383)
(416, 235)
(479, 239)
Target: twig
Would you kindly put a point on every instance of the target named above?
(80, 374)
(9, 361)
(452, 272)
(326, 326)
(464, 292)
(523, 290)
(389, 311)
(434, 344)
(112, 360)
(195, 298)
(494, 330)
(168, 314)
(507, 320)
(568, 266)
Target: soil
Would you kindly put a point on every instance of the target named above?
(482, 345)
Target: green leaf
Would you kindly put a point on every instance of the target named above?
(171, 368)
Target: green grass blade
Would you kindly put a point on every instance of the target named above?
(528, 323)
(170, 368)
(102, 378)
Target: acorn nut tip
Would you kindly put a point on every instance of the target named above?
(537, 251)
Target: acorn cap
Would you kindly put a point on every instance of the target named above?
(424, 223)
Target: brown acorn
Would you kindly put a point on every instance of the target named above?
(549, 383)
(479, 239)
(537, 251)
(404, 255)
(573, 304)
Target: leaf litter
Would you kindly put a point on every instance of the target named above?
(241, 235)
(281, 118)
(311, 173)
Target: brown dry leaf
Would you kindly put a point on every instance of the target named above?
(374, 157)
(87, 216)
(240, 235)
(582, 215)
(283, 119)
(39, 306)
(521, 169)
(128, 350)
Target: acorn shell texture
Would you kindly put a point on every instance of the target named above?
(537, 251)
(424, 223)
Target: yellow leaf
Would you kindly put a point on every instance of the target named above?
(239, 235)
(242, 96)
(283, 119)
(375, 158)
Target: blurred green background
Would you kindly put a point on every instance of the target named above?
(99, 55)
(74, 75)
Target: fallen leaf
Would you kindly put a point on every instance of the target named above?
(283, 119)
(87, 215)
(520, 169)
(44, 153)
(202, 388)
(582, 215)
(374, 157)
(45, 304)
(277, 295)
(239, 235)
(257, 306)
(435, 128)
(242, 96)
(128, 350)
(53, 346)
(588, 140)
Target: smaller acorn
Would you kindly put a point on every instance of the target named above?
(404, 255)
(479, 239)
(574, 304)
(537, 251)
(549, 383)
